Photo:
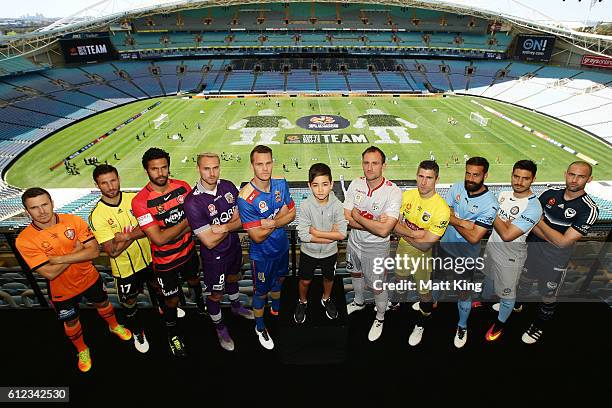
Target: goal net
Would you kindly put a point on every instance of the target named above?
(478, 118)
(160, 122)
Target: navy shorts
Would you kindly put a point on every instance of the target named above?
(69, 309)
(130, 287)
(267, 274)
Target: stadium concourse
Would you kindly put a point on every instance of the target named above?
(429, 80)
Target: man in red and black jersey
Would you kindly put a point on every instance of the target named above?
(158, 208)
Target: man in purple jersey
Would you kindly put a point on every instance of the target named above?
(212, 213)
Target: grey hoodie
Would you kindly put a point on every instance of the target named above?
(321, 217)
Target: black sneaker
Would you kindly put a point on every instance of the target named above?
(532, 335)
(202, 310)
(330, 308)
(177, 346)
(300, 312)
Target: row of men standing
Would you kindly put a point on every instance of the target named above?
(160, 219)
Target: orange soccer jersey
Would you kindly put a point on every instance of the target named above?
(36, 245)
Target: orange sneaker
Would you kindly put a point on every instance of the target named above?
(121, 332)
(84, 360)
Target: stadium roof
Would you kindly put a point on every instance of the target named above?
(103, 12)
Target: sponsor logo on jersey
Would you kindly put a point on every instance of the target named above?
(180, 199)
(145, 219)
(551, 201)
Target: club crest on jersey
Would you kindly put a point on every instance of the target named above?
(474, 209)
(502, 199)
(229, 198)
(161, 209)
(69, 233)
(46, 245)
(426, 216)
(277, 196)
(263, 206)
(514, 210)
(212, 210)
(569, 213)
(358, 197)
(375, 206)
(111, 221)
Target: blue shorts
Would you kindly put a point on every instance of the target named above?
(267, 274)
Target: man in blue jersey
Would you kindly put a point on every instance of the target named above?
(265, 206)
(506, 251)
(569, 213)
(473, 210)
(211, 210)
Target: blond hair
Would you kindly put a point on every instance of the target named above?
(208, 154)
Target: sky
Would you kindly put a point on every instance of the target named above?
(569, 10)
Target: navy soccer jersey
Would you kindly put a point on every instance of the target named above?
(480, 209)
(255, 205)
(561, 214)
(205, 208)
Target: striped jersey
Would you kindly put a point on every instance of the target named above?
(255, 205)
(165, 210)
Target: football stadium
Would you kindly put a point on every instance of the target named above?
(453, 101)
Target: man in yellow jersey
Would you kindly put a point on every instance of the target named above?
(117, 230)
(424, 217)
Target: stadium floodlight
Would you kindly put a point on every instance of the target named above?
(478, 118)
(160, 122)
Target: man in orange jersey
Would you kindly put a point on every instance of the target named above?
(61, 247)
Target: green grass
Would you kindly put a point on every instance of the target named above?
(500, 138)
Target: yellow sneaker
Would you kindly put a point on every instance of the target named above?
(84, 360)
(121, 332)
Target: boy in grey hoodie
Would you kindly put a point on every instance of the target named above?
(321, 224)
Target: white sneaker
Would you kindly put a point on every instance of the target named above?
(265, 339)
(515, 309)
(354, 307)
(180, 312)
(460, 337)
(388, 307)
(140, 342)
(416, 306)
(376, 330)
(416, 335)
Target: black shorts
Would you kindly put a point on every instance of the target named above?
(548, 272)
(308, 264)
(170, 282)
(130, 287)
(455, 269)
(69, 309)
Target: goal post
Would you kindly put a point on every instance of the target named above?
(160, 122)
(478, 118)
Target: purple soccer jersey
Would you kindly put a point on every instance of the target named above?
(205, 208)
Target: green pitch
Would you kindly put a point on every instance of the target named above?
(223, 123)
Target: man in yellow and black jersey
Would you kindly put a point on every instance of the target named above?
(117, 230)
(423, 220)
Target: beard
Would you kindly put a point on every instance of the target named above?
(160, 181)
(471, 187)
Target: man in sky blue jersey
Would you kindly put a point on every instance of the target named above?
(265, 207)
(506, 252)
(473, 210)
